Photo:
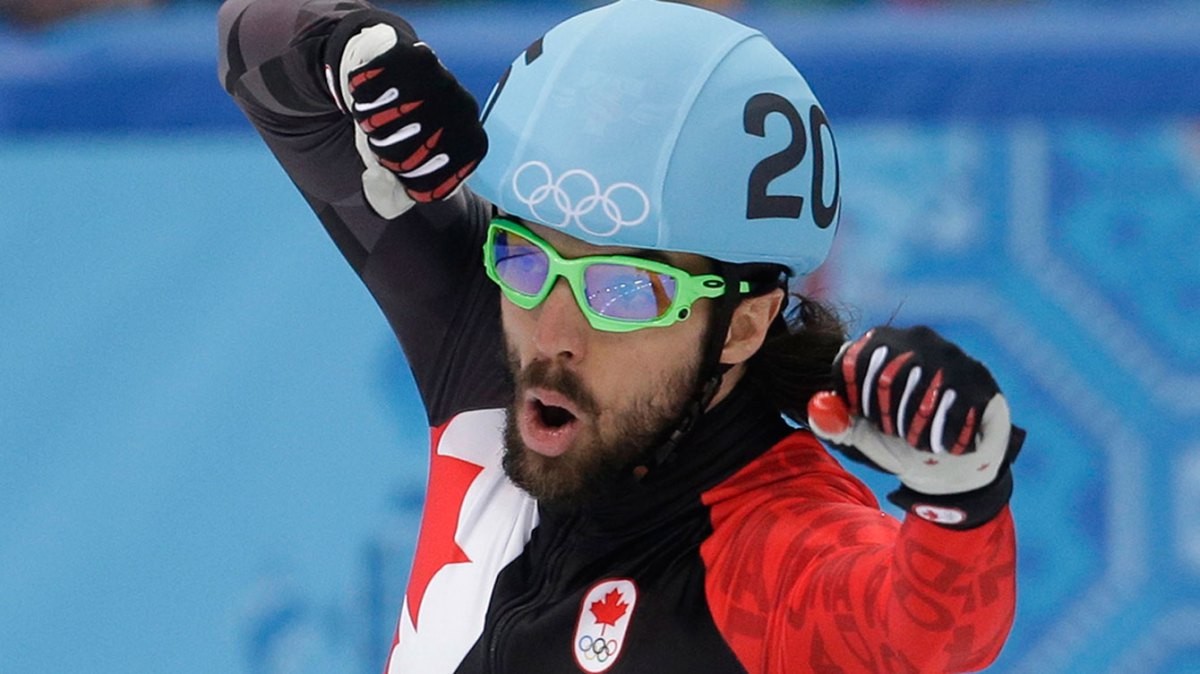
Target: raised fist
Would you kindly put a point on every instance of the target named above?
(913, 404)
(417, 129)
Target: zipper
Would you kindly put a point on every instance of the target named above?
(525, 603)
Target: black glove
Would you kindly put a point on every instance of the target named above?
(910, 403)
(417, 128)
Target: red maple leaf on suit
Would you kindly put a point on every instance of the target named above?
(609, 610)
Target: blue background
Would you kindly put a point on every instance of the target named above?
(212, 457)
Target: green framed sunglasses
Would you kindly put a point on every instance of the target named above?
(616, 293)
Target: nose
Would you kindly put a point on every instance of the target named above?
(560, 330)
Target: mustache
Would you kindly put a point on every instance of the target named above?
(547, 375)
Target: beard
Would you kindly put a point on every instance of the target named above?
(613, 442)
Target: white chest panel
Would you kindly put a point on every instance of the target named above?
(494, 524)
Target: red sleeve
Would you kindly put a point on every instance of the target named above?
(806, 574)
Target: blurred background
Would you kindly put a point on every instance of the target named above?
(212, 457)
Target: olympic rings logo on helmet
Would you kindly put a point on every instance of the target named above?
(557, 191)
(597, 649)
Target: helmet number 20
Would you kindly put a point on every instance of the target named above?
(760, 204)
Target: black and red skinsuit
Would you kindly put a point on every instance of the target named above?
(752, 550)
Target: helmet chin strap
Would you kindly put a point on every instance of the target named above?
(696, 407)
(712, 370)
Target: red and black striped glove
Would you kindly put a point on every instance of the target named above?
(417, 128)
(910, 403)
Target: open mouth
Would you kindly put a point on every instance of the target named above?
(549, 422)
(553, 416)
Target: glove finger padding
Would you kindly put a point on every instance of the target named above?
(416, 127)
(420, 123)
(917, 386)
(910, 403)
(922, 470)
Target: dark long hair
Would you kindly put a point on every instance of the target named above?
(796, 359)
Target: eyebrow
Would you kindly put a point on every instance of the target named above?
(655, 255)
(643, 253)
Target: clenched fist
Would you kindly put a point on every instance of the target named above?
(417, 129)
(913, 404)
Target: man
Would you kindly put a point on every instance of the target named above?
(612, 485)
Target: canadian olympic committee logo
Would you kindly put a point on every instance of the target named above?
(940, 515)
(575, 196)
(603, 622)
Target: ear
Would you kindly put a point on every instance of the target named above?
(748, 328)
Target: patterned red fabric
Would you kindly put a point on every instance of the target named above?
(805, 574)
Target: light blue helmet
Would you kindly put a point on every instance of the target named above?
(658, 125)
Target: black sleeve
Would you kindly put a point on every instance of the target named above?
(423, 268)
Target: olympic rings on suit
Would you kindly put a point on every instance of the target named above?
(597, 649)
(557, 191)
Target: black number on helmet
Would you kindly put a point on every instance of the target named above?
(823, 215)
(759, 204)
(491, 101)
(532, 52)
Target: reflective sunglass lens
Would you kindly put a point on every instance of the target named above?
(519, 263)
(628, 293)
